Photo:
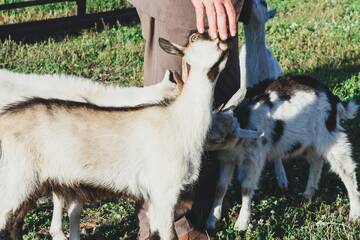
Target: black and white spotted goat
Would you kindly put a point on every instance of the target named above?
(297, 115)
(258, 63)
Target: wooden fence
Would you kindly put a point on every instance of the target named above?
(82, 20)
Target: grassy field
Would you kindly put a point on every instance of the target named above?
(320, 38)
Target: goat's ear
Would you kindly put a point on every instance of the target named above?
(171, 48)
(236, 99)
(219, 109)
(271, 13)
(185, 68)
(179, 82)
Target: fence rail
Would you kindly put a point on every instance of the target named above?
(34, 29)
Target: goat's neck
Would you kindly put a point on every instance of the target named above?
(255, 45)
(255, 37)
(192, 110)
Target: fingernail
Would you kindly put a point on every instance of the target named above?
(213, 35)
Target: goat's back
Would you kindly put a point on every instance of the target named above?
(293, 112)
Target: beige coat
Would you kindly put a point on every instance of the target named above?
(173, 12)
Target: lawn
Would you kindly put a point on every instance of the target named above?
(319, 38)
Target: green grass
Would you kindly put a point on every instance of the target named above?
(55, 10)
(320, 38)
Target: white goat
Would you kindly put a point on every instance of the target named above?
(15, 87)
(41, 139)
(18, 86)
(257, 62)
(298, 116)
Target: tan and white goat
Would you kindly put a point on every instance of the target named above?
(150, 152)
(16, 87)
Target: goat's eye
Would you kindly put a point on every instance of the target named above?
(194, 37)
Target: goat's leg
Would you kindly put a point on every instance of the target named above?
(316, 163)
(280, 173)
(13, 209)
(226, 173)
(16, 193)
(74, 212)
(340, 159)
(18, 221)
(56, 231)
(243, 219)
(161, 214)
(253, 165)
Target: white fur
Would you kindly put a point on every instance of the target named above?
(18, 86)
(257, 62)
(150, 153)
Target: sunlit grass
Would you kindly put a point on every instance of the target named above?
(319, 38)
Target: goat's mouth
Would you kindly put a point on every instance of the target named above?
(225, 45)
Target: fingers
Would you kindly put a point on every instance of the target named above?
(200, 14)
(221, 20)
(211, 17)
(231, 16)
(221, 17)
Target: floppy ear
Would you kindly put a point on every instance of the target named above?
(236, 99)
(185, 68)
(219, 109)
(179, 82)
(271, 14)
(171, 48)
(246, 11)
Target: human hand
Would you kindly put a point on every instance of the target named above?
(220, 15)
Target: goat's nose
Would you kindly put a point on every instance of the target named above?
(224, 45)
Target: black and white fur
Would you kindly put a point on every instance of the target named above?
(298, 115)
(109, 147)
(258, 63)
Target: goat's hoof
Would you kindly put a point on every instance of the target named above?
(59, 236)
(354, 216)
(283, 184)
(211, 224)
(307, 195)
(241, 225)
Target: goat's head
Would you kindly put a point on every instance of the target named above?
(222, 134)
(225, 132)
(201, 52)
(260, 13)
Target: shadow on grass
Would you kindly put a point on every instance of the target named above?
(333, 73)
(59, 28)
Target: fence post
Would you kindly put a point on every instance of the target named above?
(81, 7)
